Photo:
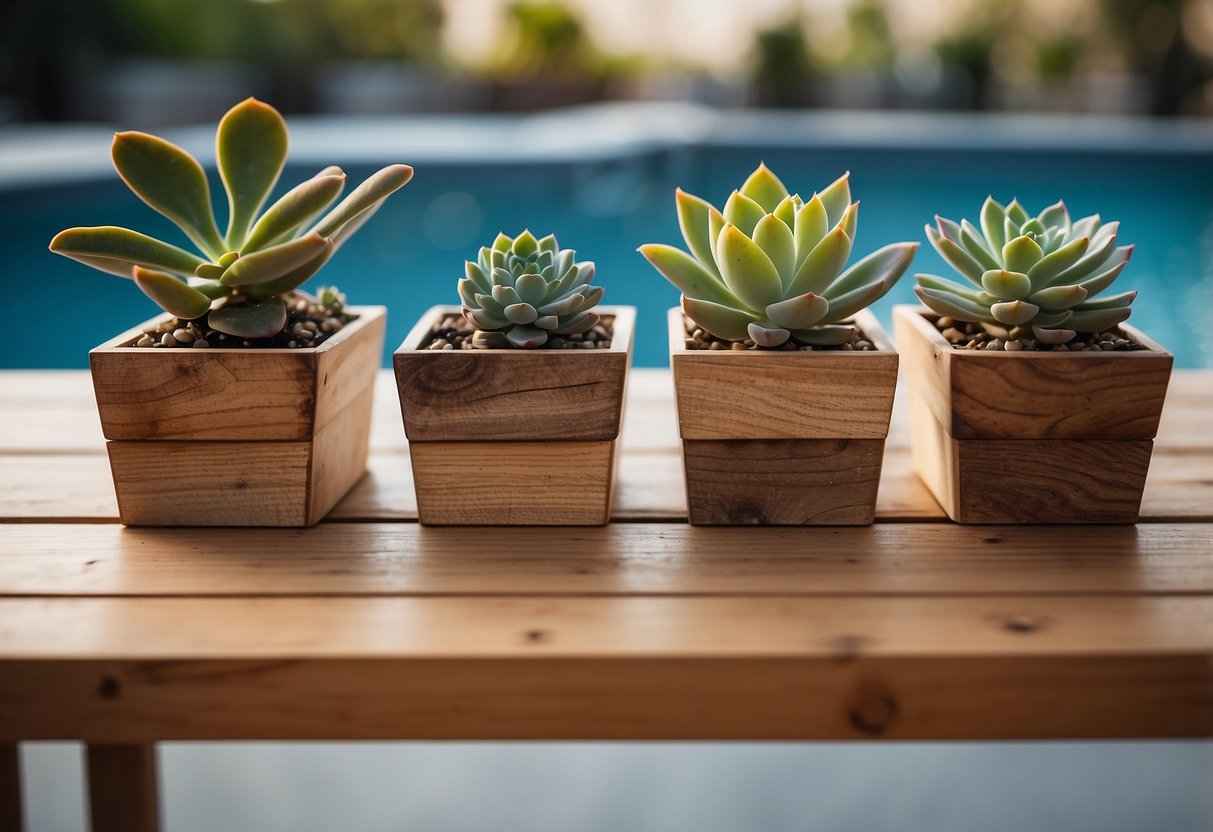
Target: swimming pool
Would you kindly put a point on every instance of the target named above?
(602, 179)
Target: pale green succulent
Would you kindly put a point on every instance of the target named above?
(1026, 274)
(522, 291)
(769, 267)
(241, 276)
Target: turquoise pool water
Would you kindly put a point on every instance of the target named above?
(606, 202)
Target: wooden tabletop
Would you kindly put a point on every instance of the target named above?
(371, 626)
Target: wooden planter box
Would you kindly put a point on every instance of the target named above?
(783, 438)
(1031, 437)
(224, 437)
(513, 437)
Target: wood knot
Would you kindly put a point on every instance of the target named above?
(536, 636)
(1023, 623)
(847, 648)
(240, 485)
(109, 688)
(993, 539)
(872, 708)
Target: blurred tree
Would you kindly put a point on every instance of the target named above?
(872, 45)
(1151, 38)
(1056, 57)
(781, 66)
(545, 39)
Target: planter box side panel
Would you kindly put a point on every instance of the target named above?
(346, 369)
(339, 454)
(980, 394)
(513, 483)
(1028, 480)
(1051, 481)
(825, 394)
(782, 481)
(204, 394)
(513, 395)
(196, 483)
(1108, 395)
(228, 395)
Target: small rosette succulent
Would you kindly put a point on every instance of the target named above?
(1029, 276)
(238, 277)
(769, 267)
(522, 291)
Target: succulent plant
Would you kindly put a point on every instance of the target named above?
(769, 267)
(238, 277)
(1037, 275)
(522, 291)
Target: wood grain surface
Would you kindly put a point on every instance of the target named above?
(214, 394)
(764, 394)
(513, 483)
(982, 394)
(531, 395)
(790, 482)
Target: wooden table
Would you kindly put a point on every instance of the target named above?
(370, 626)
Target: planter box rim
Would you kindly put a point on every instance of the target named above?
(621, 337)
(122, 342)
(916, 316)
(863, 320)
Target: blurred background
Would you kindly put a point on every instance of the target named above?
(148, 63)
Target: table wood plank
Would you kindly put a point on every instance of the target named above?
(644, 668)
(631, 559)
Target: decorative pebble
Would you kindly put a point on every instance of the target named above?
(183, 336)
(145, 341)
(167, 340)
(1013, 346)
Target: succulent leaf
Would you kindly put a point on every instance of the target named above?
(1006, 285)
(742, 212)
(263, 319)
(837, 198)
(823, 264)
(767, 336)
(170, 181)
(812, 223)
(118, 250)
(275, 261)
(764, 187)
(825, 336)
(377, 187)
(693, 220)
(727, 322)
(171, 294)
(799, 312)
(747, 270)
(250, 151)
(993, 223)
(687, 273)
(886, 264)
(294, 209)
(774, 237)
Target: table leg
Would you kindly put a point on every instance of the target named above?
(122, 788)
(10, 787)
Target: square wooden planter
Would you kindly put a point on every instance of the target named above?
(783, 438)
(1031, 437)
(513, 437)
(224, 437)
